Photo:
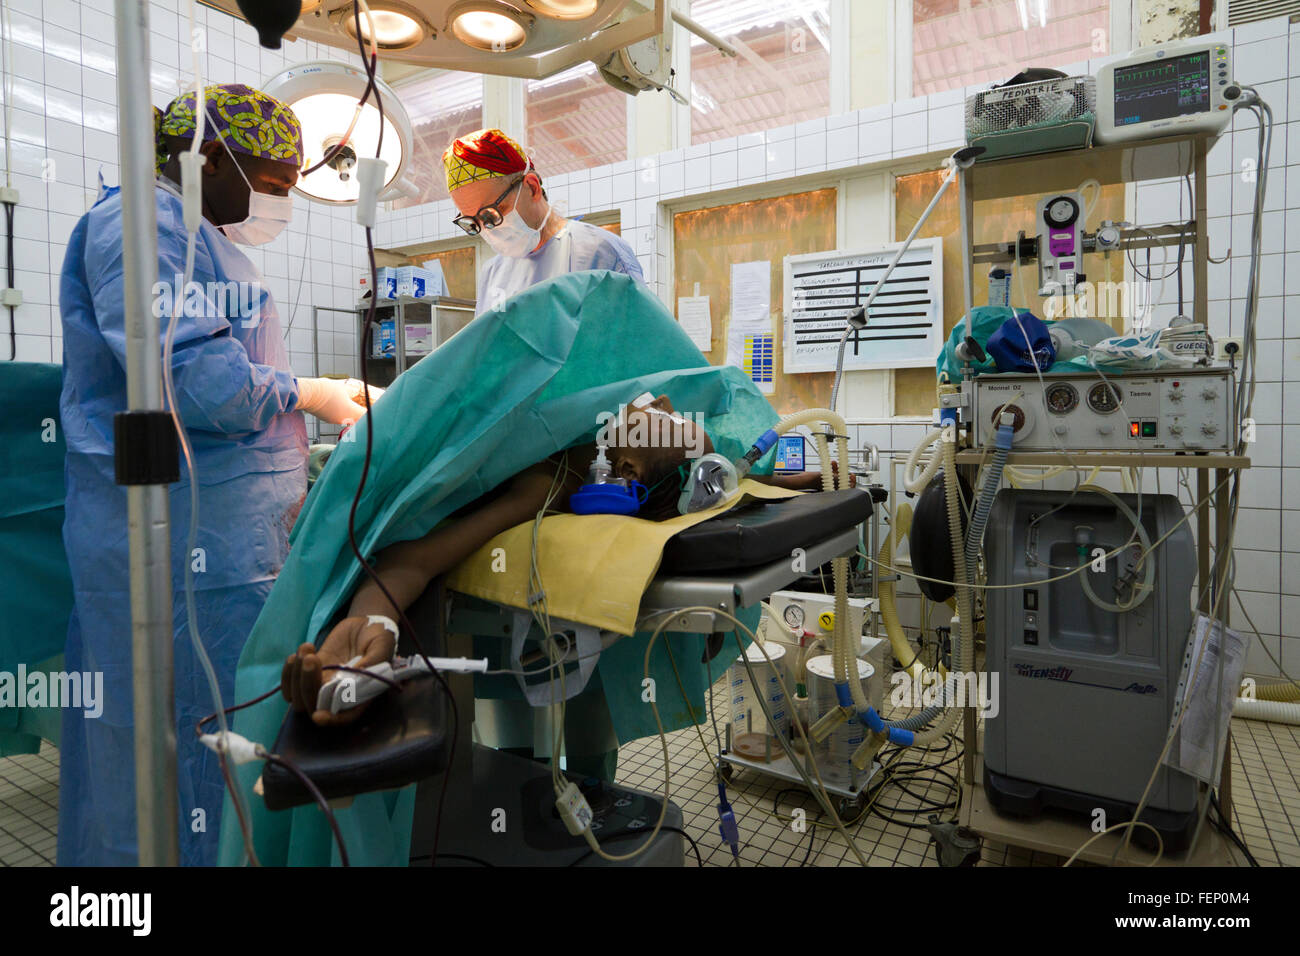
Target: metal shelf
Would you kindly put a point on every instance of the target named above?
(1169, 158)
(1114, 459)
(1109, 165)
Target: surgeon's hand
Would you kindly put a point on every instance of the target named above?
(331, 400)
(304, 672)
(358, 391)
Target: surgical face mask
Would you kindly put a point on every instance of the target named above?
(514, 237)
(267, 217)
(267, 214)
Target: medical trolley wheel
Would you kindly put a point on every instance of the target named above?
(954, 845)
(852, 807)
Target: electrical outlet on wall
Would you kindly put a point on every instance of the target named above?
(1228, 347)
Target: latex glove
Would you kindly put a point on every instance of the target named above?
(358, 392)
(330, 400)
(304, 672)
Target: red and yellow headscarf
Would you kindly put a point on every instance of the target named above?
(483, 154)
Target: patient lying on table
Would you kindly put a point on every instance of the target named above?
(407, 568)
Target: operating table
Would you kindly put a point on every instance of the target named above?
(719, 566)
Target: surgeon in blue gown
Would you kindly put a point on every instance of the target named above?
(242, 408)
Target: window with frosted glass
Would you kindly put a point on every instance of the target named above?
(442, 106)
(781, 75)
(575, 121)
(966, 42)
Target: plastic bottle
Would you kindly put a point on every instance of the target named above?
(600, 471)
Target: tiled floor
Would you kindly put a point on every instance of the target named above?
(29, 808)
(1265, 793)
(1266, 797)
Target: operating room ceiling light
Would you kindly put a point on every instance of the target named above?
(396, 27)
(564, 9)
(324, 95)
(489, 26)
(529, 39)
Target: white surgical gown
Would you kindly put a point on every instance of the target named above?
(578, 247)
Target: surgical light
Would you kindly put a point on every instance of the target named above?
(564, 9)
(395, 28)
(490, 26)
(324, 96)
(528, 39)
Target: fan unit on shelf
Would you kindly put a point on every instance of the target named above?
(1234, 13)
(1037, 111)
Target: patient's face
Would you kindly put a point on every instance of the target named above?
(652, 440)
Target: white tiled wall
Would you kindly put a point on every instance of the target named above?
(64, 137)
(64, 112)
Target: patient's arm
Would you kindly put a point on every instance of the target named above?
(805, 480)
(406, 570)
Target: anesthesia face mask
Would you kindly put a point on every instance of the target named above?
(711, 480)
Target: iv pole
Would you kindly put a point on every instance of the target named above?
(148, 516)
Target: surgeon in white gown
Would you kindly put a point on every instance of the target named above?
(500, 197)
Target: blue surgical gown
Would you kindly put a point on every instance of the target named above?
(238, 399)
(578, 247)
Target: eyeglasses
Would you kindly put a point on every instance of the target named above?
(489, 217)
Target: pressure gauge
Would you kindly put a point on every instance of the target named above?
(793, 615)
(1060, 243)
(1062, 398)
(1104, 398)
(1061, 212)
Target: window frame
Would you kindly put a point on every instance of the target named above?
(1123, 29)
(839, 56)
(418, 76)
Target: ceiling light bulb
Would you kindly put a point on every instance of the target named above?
(565, 9)
(489, 29)
(393, 30)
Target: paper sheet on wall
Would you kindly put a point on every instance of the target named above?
(753, 354)
(696, 321)
(751, 342)
(751, 296)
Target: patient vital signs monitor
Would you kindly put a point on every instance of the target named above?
(1173, 90)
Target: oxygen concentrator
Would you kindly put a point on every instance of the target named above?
(1089, 663)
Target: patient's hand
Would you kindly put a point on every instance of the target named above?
(304, 672)
(806, 480)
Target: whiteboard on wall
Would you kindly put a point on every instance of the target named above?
(904, 328)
